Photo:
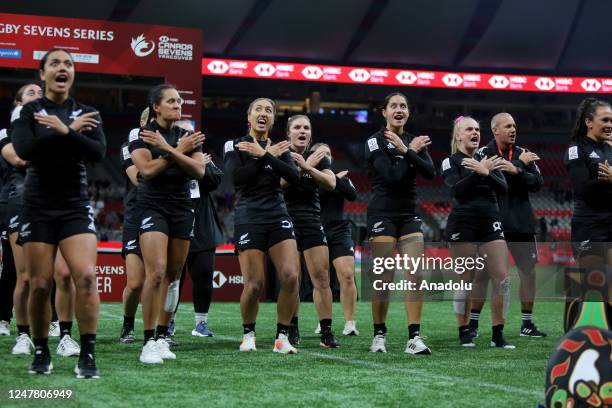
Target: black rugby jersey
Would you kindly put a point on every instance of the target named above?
(129, 200)
(472, 194)
(302, 199)
(259, 197)
(56, 175)
(394, 175)
(172, 183)
(514, 206)
(592, 197)
(332, 202)
(207, 232)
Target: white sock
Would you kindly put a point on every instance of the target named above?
(201, 318)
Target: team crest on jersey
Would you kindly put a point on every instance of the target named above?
(572, 153)
(373, 144)
(75, 114)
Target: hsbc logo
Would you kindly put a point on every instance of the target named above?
(406, 77)
(265, 69)
(312, 72)
(544, 83)
(499, 81)
(452, 80)
(591, 85)
(218, 67)
(219, 279)
(359, 75)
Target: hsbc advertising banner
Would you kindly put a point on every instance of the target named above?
(110, 48)
(402, 77)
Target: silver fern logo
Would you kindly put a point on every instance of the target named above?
(141, 46)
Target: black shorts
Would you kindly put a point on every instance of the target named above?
(591, 237)
(262, 236)
(3, 221)
(53, 226)
(131, 244)
(13, 214)
(172, 219)
(523, 248)
(309, 236)
(473, 229)
(340, 241)
(396, 227)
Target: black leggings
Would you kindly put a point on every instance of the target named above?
(7, 282)
(201, 266)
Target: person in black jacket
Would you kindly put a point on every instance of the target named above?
(167, 158)
(262, 223)
(588, 162)
(474, 225)
(395, 157)
(523, 177)
(56, 135)
(339, 240)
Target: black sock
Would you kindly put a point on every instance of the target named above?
(149, 335)
(162, 332)
(498, 331)
(294, 321)
(42, 344)
(88, 344)
(380, 329)
(474, 318)
(325, 325)
(128, 321)
(463, 330)
(526, 316)
(23, 328)
(413, 330)
(248, 327)
(65, 328)
(282, 329)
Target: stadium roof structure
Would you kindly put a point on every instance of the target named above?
(542, 36)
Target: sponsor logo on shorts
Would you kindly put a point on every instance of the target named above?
(455, 236)
(131, 244)
(145, 224)
(14, 222)
(585, 245)
(352, 249)
(497, 226)
(286, 224)
(377, 227)
(243, 239)
(25, 230)
(92, 226)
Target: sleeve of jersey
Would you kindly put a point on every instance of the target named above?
(422, 162)
(497, 181)
(92, 143)
(381, 163)
(27, 144)
(284, 167)
(452, 178)
(579, 174)
(240, 173)
(212, 177)
(346, 187)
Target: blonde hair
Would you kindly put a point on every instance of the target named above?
(458, 121)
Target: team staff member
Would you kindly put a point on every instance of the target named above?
(165, 167)
(304, 208)
(131, 248)
(523, 177)
(474, 224)
(262, 223)
(588, 162)
(339, 240)
(56, 134)
(394, 158)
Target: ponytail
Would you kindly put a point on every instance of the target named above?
(586, 110)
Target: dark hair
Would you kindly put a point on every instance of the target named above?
(19, 95)
(155, 97)
(586, 110)
(43, 60)
(388, 99)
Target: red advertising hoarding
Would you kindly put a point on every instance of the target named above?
(402, 77)
(110, 48)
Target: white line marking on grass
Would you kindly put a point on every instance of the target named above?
(421, 374)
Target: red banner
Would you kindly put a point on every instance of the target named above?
(110, 48)
(402, 77)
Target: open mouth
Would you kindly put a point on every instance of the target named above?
(398, 116)
(61, 80)
(262, 121)
(302, 138)
(474, 139)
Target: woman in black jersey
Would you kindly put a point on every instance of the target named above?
(262, 223)
(134, 266)
(474, 224)
(304, 208)
(56, 135)
(166, 157)
(395, 157)
(339, 239)
(588, 161)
